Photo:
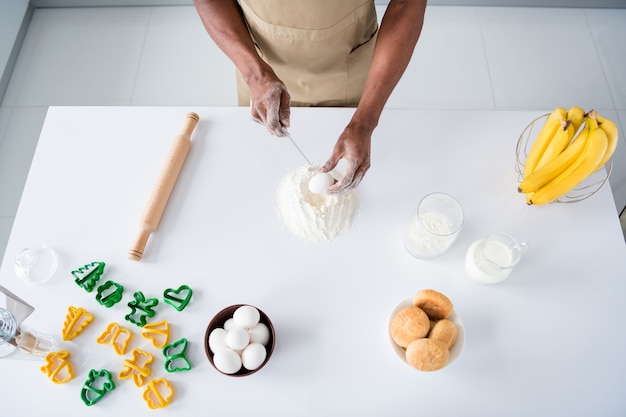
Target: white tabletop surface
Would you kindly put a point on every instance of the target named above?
(547, 341)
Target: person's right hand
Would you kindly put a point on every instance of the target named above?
(270, 104)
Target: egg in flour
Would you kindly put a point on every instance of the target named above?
(319, 183)
(312, 216)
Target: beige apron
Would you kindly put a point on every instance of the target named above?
(320, 49)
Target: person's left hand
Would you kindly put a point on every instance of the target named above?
(353, 145)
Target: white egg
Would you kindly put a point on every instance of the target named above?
(229, 324)
(320, 182)
(237, 338)
(246, 317)
(260, 334)
(217, 339)
(227, 361)
(253, 356)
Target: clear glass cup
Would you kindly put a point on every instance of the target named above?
(434, 226)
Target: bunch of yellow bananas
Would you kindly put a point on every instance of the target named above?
(559, 159)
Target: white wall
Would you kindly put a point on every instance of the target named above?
(529, 3)
(14, 15)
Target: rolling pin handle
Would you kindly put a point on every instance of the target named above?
(190, 123)
(136, 253)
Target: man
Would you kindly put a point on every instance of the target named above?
(317, 53)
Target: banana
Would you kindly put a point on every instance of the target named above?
(611, 132)
(560, 140)
(529, 198)
(576, 115)
(581, 168)
(560, 163)
(544, 137)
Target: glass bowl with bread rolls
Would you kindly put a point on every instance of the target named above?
(425, 331)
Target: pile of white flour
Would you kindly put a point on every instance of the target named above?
(312, 216)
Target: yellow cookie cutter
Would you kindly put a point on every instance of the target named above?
(117, 336)
(158, 393)
(57, 367)
(137, 368)
(158, 333)
(76, 320)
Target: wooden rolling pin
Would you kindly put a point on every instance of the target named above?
(161, 193)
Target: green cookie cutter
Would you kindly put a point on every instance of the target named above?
(141, 308)
(109, 298)
(178, 298)
(87, 276)
(175, 359)
(97, 385)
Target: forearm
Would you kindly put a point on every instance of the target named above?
(398, 34)
(224, 22)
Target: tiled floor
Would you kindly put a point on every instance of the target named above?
(467, 58)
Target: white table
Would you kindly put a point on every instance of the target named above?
(548, 341)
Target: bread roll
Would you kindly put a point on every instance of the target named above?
(427, 354)
(409, 324)
(446, 331)
(436, 305)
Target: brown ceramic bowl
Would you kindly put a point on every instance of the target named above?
(219, 320)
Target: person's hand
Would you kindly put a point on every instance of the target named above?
(354, 146)
(270, 105)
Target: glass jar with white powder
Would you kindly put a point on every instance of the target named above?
(434, 226)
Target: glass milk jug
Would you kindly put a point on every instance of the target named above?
(491, 260)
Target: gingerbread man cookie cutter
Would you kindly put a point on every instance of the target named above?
(141, 309)
(137, 368)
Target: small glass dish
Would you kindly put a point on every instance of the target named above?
(36, 263)
(591, 185)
